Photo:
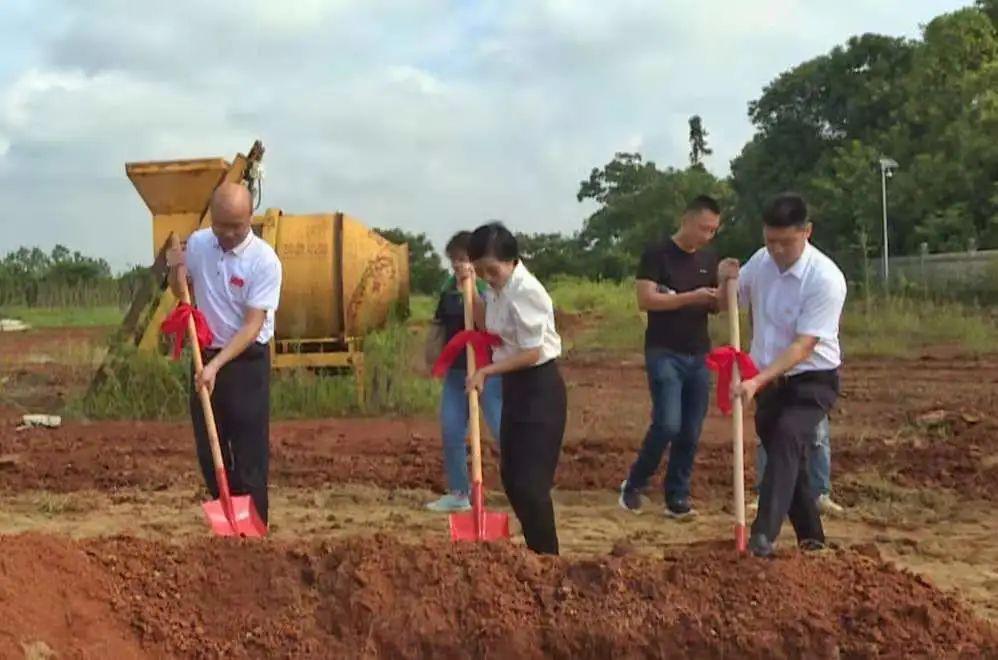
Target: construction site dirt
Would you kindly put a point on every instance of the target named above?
(103, 553)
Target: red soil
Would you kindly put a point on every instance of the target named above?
(378, 598)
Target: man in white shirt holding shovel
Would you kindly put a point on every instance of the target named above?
(237, 286)
(796, 295)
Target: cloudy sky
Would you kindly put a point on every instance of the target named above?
(430, 115)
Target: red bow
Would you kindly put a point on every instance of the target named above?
(482, 342)
(176, 324)
(722, 360)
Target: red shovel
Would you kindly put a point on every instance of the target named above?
(228, 515)
(477, 524)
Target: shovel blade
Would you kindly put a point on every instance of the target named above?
(245, 521)
(494, 527)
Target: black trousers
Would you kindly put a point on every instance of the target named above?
(534, 407)
(241, 403)
(786, 415)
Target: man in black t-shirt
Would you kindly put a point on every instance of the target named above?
(677, 286)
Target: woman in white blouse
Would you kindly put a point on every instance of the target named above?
(520, 312)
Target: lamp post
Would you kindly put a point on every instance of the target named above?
(887, 167)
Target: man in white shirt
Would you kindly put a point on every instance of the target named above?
(237, 283)
(796, 295)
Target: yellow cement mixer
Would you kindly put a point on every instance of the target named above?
(341, 279)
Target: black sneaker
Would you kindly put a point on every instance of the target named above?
(680, 510)
(760, 546)
(629, 499)
(811, 545)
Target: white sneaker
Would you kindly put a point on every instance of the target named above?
(450, 503)
(829, 507)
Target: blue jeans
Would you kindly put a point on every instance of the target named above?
(819, 460)
(454, 424)
(680, 391)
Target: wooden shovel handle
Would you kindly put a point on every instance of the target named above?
(737, 424)
(192, 337)
(474, 428)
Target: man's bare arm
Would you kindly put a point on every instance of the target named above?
(798, 351)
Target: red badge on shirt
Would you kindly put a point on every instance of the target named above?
(237, 281)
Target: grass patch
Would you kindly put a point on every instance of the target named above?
(304, 394)
(607, 313)
(392, 380)
(144, 386)
(421, 307)
(55, 504)
(138, 385)
(609, 319)
(875, 498)
(900, 326)
(65, 317)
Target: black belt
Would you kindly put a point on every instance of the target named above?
(254, 351)
(815, 375)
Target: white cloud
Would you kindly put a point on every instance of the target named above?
(431, 115)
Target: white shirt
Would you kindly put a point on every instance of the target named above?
(226, 284)
(805, 299)
(522, 314)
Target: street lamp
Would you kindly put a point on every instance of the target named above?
(887, 167)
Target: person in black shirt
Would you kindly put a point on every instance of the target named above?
(677, 286)
(454, 398)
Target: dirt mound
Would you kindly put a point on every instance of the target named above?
(377, 597)
(53, 597)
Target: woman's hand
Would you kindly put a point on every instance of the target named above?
(463, 271)
(476, 381)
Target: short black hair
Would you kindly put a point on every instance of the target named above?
(702, 203)
(785, 210)
(493, 240)
(458, 244)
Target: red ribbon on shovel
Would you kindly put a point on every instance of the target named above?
(481, 342)
(175, 324)
(722, 360)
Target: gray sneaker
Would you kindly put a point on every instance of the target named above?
(629, 499)
(829, 507)
(450, 503)
(680, 510)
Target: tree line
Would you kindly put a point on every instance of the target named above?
(32, 277)
(821, 129)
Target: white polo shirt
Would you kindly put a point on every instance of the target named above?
(226, 284)
(806, 299)
(522, 314)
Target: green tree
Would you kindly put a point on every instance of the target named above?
(426, 273)
(73, 269)
(845, 200)
(930, 104)
(639, 203)
(990, 9)
(852, 93)
(945, 142)
(698, 142)
(552, 254)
